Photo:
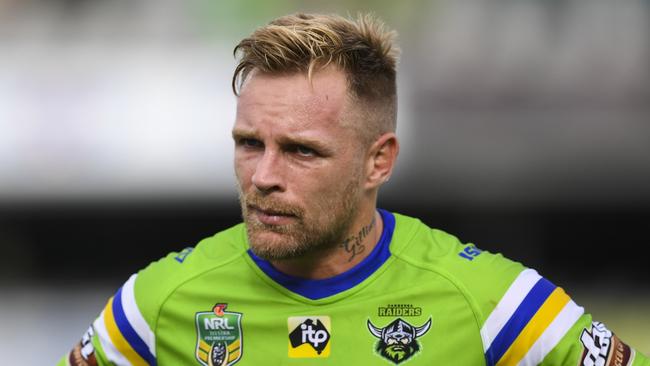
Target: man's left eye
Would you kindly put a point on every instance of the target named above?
(305, 151)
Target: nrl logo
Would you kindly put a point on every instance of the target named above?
(398, 340)
(219, 333)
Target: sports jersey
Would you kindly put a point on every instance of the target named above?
(420, 297)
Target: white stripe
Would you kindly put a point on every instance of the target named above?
(134, 316)
(507, 305)
(553, 334)
(112, 354)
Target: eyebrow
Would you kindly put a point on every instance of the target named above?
(239, 133)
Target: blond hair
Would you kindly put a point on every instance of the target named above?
(363, 49)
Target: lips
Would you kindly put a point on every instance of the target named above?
(270, 216)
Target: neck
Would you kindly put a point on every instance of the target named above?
(339, 257)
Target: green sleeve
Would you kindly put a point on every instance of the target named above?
(63, 361)
(88, 352)
(523, 318)
(124, 331)
(591, 343)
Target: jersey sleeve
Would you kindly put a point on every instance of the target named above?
(525, 319)
(119, 336)
(591, 343)
(123, 333)
(536, 323)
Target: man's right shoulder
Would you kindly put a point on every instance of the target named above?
(160, 278)
(125, 331)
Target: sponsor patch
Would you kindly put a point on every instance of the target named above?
(603, 348)
(309, 336)
(219, 337)
(83, 354)
(399, 310)
(398, 341)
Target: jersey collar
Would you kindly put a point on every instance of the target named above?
(318, 289)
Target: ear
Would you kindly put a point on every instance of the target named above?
(381, 160)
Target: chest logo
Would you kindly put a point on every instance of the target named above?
(309, 336)
(398, 341)
(219, 337)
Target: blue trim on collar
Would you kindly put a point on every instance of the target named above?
(318, 289)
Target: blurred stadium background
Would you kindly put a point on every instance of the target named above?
(525, 128)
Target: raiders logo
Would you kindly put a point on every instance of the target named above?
(398, 340)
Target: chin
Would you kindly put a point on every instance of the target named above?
(271, 245)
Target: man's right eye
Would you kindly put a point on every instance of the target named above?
(252, 143)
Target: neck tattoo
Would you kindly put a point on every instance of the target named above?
(354, 244)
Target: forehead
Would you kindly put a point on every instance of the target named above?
(293, 99)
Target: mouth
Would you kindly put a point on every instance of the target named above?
(271, 216)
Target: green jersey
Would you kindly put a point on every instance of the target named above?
(420, 297)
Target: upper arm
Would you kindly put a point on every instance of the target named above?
(536, 323)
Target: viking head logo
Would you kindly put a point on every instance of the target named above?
(398, 340)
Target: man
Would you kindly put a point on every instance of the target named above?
(316, 271)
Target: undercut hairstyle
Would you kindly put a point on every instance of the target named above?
(305, 43)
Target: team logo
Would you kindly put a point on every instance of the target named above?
(399, 310)
(219, 337)
(309, 336)
(398, 340)
(603, 348)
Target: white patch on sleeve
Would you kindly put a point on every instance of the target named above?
(553, 334)
(134, 316)
(507, 305)
(111, 352)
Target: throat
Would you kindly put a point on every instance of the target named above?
(336, 259)
(318, 277)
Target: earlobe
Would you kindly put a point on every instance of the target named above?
(381, 160)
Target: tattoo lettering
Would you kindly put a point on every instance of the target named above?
(354, 244)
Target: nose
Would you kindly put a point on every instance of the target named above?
(268, 172)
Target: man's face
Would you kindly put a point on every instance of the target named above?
(299, 169)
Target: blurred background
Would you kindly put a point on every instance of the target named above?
(524, 124)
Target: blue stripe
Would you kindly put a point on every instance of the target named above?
(128, 332)
(525, 311)
(318, 289)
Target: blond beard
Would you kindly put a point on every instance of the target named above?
(321, 228)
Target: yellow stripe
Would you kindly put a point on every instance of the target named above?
(535, 327)
(118, 340)
(233, 346)
(233, 356)
(203, 356)
(204, 346)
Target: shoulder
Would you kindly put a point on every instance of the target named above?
(138, 302)
(521, 315)
(154, 283)
(481, 275)
(125, 331)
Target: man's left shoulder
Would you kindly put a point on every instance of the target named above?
(432, 248)
(482, 276)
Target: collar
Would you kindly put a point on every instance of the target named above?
(321, 288)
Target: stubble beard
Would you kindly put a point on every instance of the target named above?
(322, 228)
